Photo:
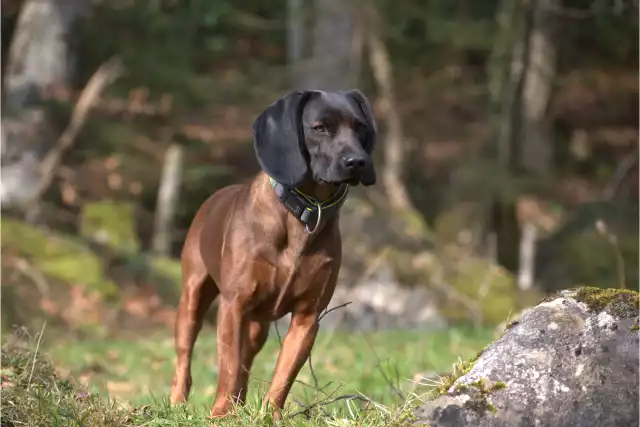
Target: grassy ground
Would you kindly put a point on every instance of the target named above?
(382, 366)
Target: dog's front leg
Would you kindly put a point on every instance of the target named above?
(232, 328)
(295, 351)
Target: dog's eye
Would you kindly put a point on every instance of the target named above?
(319, 128)
(361, 127)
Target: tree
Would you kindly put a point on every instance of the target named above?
(39, 60)
(326, 57)
(539, 77)
(521, 88)
(393, 145)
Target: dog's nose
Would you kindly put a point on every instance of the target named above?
(353, 162)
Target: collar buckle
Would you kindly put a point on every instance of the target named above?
(304, 207)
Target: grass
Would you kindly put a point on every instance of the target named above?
(137, 374)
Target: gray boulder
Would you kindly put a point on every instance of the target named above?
(571, 361)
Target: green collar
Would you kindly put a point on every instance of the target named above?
(306, 209)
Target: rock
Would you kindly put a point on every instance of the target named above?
(571, 361)
(380, 303)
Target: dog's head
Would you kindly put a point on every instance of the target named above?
(326, 136)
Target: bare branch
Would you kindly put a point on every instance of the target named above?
(105, 75)
(623, 169)
(278, 333)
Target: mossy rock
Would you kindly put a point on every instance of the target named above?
(57, 256)
(623, 303)
(111, 223)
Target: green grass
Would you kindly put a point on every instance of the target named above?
(381, 366)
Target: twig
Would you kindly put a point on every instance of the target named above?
(34, 274)
(35, 354)
(366, 407)
(307, 409)
(321, 389)
(393, 387)
(316, 387)
(602, 228)
(334, 308)
(313, 374)
(623, 169)
(315, 379)
(278, 333)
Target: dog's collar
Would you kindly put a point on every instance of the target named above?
(306, 209)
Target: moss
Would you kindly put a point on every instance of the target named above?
(405, 419)
(57, 256)
(459, 370)
(478, 393)
(112, 223)
(623, 303)
(511, 324)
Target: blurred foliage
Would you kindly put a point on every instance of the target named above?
(111, 223)
(220, 63)
(58, 256)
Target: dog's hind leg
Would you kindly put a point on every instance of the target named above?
(198, 292)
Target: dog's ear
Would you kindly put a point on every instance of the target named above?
(279, 140)
(369, 173)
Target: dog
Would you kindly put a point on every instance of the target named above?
(272, 246)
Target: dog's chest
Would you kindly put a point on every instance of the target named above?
(288, 283)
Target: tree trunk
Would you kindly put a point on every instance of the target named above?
(520, 96)
(331, 63)
(526, 267)
(296, 38)
(39, 59)
(394, 141)
(507, 68)
(167, 200)
(538, 89)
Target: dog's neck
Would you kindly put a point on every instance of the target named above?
(328, 196)
(319, 192)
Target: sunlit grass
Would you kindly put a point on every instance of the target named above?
(383, 369)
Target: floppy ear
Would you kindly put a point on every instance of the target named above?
(369, 173)
(279, 140)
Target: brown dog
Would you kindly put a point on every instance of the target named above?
(272, 246)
